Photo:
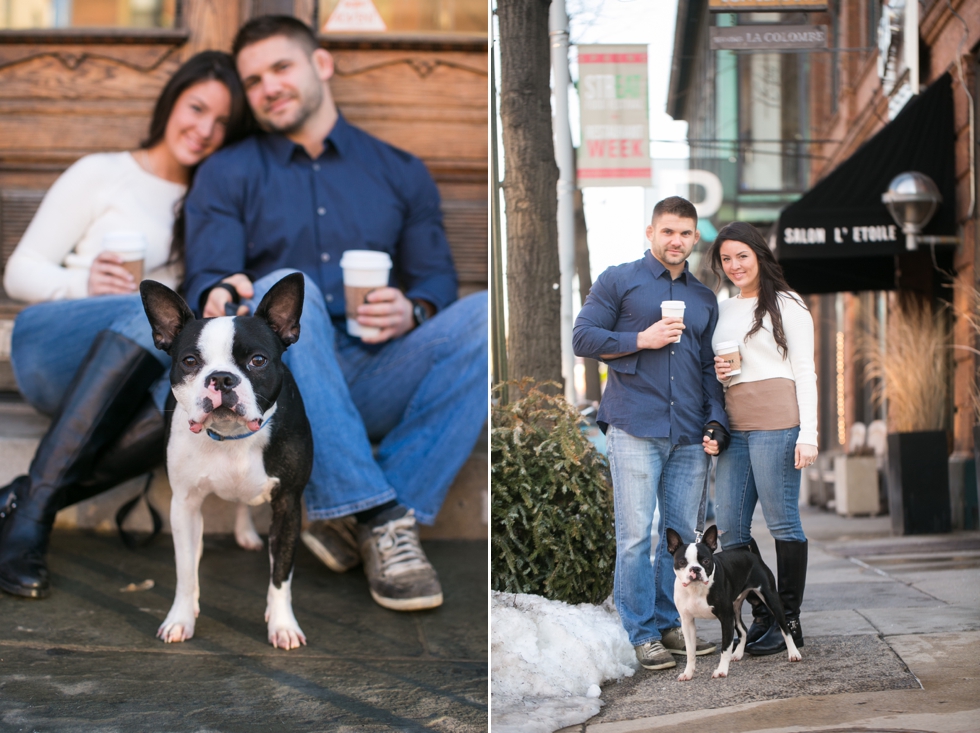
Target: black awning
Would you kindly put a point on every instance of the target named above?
(839, 236)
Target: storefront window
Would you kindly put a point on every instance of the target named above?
(16, 14)
(403, 16)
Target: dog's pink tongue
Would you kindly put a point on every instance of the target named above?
(214, 395)
(254, 425)
(196, 427)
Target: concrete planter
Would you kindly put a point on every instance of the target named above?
(918, 483)
(856, 485)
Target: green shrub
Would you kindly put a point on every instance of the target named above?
(551, 515)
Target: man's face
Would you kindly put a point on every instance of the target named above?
(284, 83)
(672, 238)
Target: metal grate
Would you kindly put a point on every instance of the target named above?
(17, 207)
(467, 230)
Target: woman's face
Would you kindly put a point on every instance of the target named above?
(740, 265)
(196, 127)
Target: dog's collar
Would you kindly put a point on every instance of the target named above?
(218, 436)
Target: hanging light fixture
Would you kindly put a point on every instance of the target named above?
(912, 198)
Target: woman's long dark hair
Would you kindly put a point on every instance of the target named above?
(772, 282)
(205, 66)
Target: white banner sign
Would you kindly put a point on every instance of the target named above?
(615, 148)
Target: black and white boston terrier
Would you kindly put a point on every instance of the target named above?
(236, 427)
(713, 586)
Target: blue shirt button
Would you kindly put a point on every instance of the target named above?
(321, 211)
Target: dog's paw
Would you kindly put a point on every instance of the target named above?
(795, 657)
(685, 676)
(719, 673)
(737, 657)
(248, 539)
(171, 631)
(286, 636)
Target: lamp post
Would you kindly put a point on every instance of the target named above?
(912, 199)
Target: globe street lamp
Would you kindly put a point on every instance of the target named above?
(912, 199)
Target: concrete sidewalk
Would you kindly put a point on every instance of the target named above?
(86, 658)
(892, 626)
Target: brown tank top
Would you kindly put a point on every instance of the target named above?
(769, 404)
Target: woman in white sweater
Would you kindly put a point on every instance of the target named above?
(84, 353)
(772, 409)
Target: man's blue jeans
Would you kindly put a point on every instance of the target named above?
(648, 472)
(758, 466)
(423, 396)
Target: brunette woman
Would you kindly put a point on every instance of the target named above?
(84, 354)
(772, 408)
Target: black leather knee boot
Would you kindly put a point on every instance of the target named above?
(791, 558)
(106, 393)
(761, 618)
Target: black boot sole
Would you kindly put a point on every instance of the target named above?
(19, 590)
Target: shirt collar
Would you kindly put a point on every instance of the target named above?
(284, 149)
(658, 269)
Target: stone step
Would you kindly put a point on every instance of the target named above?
(463, 516)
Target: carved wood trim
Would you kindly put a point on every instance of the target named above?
(421, 66)
(102, 36)
(141, 59)
(404, 42)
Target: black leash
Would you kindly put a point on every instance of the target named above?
(124, 511)
(703, 508)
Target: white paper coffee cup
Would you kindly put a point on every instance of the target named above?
(131, 248)
(728, 350)
(673, 309)
(364, 271)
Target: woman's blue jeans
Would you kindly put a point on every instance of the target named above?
(758, 466)
(50, 340)
(647, 472)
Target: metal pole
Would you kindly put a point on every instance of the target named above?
(565, 157)
(498, 336)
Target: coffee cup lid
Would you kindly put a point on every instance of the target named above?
(365, 259)
(725, 347)
(673, 304)
(124, 242)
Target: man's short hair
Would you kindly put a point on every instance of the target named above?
(677, 206)
(268, 26)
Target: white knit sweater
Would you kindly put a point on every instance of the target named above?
(761, 359)
(98, 194)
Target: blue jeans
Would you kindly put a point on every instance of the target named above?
(759, 467)
(50, 340)
(423, 396)
(647, 472)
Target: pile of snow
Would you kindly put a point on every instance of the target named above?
(548, 659)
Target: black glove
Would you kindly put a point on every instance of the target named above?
(716, 431)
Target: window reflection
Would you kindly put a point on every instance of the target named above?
(87, 14)
(455, 16)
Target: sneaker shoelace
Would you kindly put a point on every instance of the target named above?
(399, 548)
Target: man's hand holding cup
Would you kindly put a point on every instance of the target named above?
(663, 332)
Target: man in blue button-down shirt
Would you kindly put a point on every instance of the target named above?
(661, 398)
(296, 197)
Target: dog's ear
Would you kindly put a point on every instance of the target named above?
(282, 307)
(166, 312)
(711, 537)
(673, 541)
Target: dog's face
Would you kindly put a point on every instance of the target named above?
(694, 563)
(226, 372)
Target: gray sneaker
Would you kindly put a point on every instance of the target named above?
(399, 573)
(334, 542)
(674, 643)
(652, 655)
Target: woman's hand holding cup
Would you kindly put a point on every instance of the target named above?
(722, 368)
(107, 276)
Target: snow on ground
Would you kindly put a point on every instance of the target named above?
(547, 660)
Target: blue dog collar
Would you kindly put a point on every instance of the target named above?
(217, 436)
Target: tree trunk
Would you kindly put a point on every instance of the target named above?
(530, 191)
(593, 391)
